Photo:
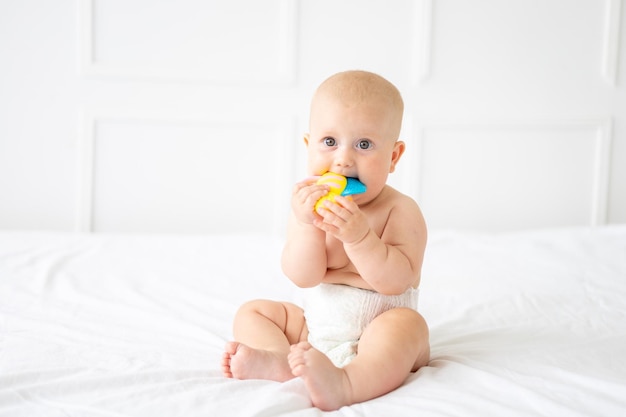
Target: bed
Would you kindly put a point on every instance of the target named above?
(529, 323)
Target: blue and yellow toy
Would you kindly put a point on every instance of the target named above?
(339, 185)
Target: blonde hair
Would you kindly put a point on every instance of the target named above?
(357, 86)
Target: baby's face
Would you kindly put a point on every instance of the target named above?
(355, 140)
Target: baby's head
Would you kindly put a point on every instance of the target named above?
(362, 87)
(355, 122)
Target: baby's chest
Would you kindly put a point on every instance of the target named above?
(335, 253)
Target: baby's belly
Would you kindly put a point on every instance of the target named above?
(346, 277)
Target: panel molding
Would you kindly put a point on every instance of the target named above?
(85, 174)
(601, 158)
(611, 47)
(286, 74)
(422, 41)
(86, 159)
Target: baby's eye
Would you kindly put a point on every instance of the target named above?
(364, 144)
(330, 142)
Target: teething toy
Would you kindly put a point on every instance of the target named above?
(339, 185)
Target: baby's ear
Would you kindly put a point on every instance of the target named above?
(398, 150)
(306, 139)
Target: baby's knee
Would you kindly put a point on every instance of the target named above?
(403, 314)
(263, 307)
(254, 304)
(276, 311)
(405, 318)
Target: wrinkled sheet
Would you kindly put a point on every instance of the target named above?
(522, 324)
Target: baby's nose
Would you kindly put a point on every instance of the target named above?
(343, 158)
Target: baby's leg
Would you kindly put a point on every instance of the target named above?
(392, 346)
(263, 332)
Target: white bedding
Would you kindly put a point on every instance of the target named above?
(523, 324)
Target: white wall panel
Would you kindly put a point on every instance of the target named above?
(37, 131)
(517, 56)
(228, 41)
(179, 175)
(499, 176)
(365, 34)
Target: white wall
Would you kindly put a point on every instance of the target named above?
(187, 116)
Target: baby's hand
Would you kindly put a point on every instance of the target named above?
(339, 185)
(304, 196)
(343, 219)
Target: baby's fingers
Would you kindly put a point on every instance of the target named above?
(347, 203)
(306, 182)
(331, 212)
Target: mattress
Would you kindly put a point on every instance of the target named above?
(530, 323)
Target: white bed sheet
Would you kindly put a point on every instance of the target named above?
(522, 324)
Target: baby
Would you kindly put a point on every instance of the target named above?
(359, 335)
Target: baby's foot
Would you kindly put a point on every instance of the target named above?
(328, 385)
(243, 362)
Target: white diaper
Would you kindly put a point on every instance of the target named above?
(336, 316)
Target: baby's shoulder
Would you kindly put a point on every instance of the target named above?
(395, 202)
(397, 198)
(396, 212)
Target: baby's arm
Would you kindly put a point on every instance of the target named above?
(391, 263)
(304, 255)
